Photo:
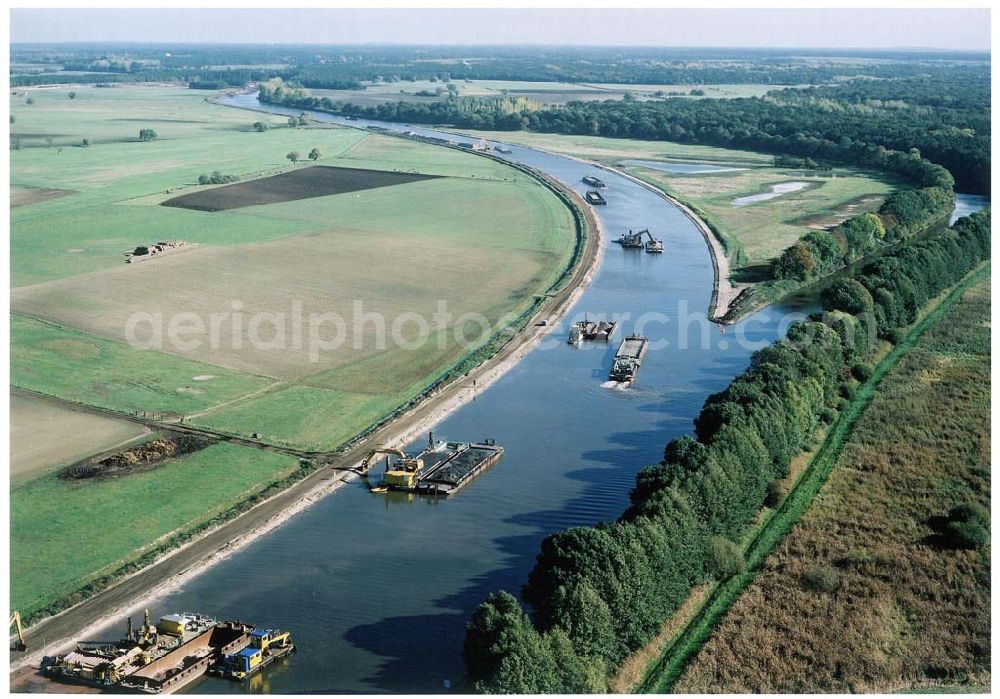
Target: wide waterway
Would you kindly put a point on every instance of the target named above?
(377, 589)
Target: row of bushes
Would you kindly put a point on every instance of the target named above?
(903, 213)
(599, 593)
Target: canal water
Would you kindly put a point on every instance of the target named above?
(377, 589)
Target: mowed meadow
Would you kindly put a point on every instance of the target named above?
(477, 235)
(864, 594)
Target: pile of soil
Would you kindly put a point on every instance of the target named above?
(135, 458)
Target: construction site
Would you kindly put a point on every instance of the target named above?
(170, 655)
(441, 469)
(634, 240)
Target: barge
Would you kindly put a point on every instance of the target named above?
(594, 182)
(593, 330)
(595, 198)
(442, 468)
(628, 358)
(168, 656)
(631, 239)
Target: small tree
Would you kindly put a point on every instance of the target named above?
(293, 156)
(293, 122)
(72, 95)
(146, 135)
(203, 179)
(260, 126)
(314, 154)
(48, 142)
(12, 118)
(30, 100)
(85, 143)
(302, 119)
(725, 558)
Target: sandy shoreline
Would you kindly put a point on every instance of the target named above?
(109, 607)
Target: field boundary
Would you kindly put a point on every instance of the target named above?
(661, 676)
(188, 553)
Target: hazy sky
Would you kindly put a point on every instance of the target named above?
(841, 28)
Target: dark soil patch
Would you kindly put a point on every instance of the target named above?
(22, 196)
(306, 183)
(137, 458)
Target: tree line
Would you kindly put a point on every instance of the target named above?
(903, 213)
(597, 594)
(834, 124)
(338, 67)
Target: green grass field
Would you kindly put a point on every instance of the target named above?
(96, 371)
(550, 93)
(762, 230)
(64, 533)
(612, 150)
(45, 435)
(482, 238)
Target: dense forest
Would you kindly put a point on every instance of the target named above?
(338, 67)
(947, 120)
(599, 593)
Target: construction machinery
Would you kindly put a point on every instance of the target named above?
(630, 239)
(654, 245)
(20, 644)
(403, 474)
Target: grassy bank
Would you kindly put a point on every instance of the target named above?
(81, 530)
(664, 674)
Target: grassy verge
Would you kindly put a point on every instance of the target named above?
(68, 534)
(661, 677)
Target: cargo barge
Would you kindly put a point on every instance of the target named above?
(594, 182)
(442, 468)
(595, 198)
(167, 657)
(628, 358)
(600, 331)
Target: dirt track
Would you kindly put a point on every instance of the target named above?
(51, 634)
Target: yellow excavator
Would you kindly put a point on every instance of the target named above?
(402, 476)
(20, 644)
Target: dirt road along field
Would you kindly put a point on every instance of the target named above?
(54, 633)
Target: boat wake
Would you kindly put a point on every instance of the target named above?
(616, 385)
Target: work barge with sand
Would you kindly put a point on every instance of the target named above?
(169, 656)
